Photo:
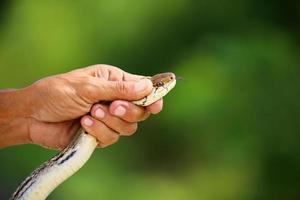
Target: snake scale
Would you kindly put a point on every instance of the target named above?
(53, 172)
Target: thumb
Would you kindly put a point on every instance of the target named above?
(125, 90)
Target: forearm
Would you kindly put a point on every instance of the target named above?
(14, 117)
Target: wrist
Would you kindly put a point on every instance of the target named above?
(14, 117)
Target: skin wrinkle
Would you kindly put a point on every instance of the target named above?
(109, 75)
(83, 145)
(29, 125)
(120, 88)
(123, 77)
(84, 87)
(64, 98)
(81, 101)
(114, 76)
(129, 129)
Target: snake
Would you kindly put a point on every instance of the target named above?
(49, 175)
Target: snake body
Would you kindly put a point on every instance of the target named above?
(53, 172)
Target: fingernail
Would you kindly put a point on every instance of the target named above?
(141, 85)
(120, 111)
(88, 122)
(99, 113)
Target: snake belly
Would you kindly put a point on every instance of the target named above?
(43, 180)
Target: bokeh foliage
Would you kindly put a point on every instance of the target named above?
(230, 130)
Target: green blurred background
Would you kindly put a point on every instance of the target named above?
(229, 131)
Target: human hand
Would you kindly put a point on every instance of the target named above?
(55, 104)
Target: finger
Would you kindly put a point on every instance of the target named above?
(99, 130)
(101, 89)
(156, 107)
(108, 72)
(128, 111)
(101, 113)
(105, 82)
(112, 73)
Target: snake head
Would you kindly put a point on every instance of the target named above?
(162, 84)
(160, 80)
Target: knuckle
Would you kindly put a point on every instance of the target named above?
(95, 67)
(132, 116)
(138, 115)
(101, 66)
(131, 129)
(113, 138)
(145, 115)
(108, 139)
(100, 145)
